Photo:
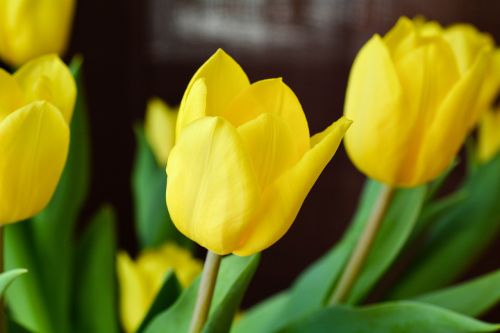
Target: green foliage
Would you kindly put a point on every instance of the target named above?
(471, 298)
(95, 279)
(234, 276)
(26, 299)
(149, 180)
(311, 290)
(398, 317)
(258, 317)
(396, 228)
(6, 278)
(167, 295)
(457, 236)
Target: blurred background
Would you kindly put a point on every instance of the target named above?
(138, 49)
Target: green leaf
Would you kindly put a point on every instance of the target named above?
(312, 289)
(315, 284)
(25, 299)
(457, 237)
(471, 298)
(234, 276)
(399, 317)
(149, 181)
(95, 291)
(6, 278)
(167, 295)
(396, 228)
(258, 317)
(14, 327)
(433, 210)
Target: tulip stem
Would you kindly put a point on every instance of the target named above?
(205, 292)
(362, 249)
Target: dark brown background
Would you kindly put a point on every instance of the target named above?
(136, 49)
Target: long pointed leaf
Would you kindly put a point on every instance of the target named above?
(401, 317)
(95, 298)
(471, 298)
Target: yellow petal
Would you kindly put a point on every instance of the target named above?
(32, 28)
(282, 200)
(271, 96)
(224, 80)
(466, 41)
(134, 302)
(374, 101)
(491, 85)
(212, 190)
(489, 135)
(194, 106)
(269, 142)
(48, 78)
(160, 129)
(452, 123)
(10, 94)
(401, 38)
(185, 266)
(34, 145)
(427, 74)
(153, 267)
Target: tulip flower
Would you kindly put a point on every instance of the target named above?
(489, 135)
(31, 28)
(160, 129)
(141, 280)
(243, 161)
(414, 95)
(36, 104)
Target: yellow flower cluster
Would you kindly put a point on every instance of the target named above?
(141, 280)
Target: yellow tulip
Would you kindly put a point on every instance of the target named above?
(141, 280)
(414, 95)
(36, 104)
(489, 135)
(31, 28)
(160, 129)
(243, 162)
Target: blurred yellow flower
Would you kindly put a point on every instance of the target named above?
(414, 95)
(141, 280)
(36, 104)
(160, 129)
(31, 28)
(489, 135)
(243, 161)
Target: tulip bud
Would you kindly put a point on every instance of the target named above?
(141, 280)
(414, 95)
(489, 135)
(160, 129)
(31, 28)
(243, 161)
(36, 104)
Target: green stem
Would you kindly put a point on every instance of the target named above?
(205, 292)
(362, 249)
